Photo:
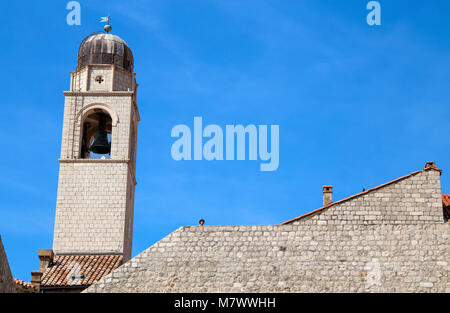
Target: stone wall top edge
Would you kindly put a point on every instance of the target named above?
(87, 252)
(94, 66)
(99, 93)
(287, 228)
(104, 66)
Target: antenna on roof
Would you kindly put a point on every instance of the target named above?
(105, 19)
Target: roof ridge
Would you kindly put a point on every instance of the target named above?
(23, 283)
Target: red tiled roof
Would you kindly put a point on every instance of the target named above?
(23, 283)
(446, 205)
(359, 194)
(79, 270)
(446, 200)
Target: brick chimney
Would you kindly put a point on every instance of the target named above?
(46, 257)
(430, 164)
(36, 280)
(327, 195)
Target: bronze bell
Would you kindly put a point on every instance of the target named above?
(101, 144)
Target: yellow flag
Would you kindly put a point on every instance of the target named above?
(104, 19)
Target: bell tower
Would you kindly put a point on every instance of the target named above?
(94, 211)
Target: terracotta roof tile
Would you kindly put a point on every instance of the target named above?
(446, 200)
(446, 205)
(23, 283)
(79, 270)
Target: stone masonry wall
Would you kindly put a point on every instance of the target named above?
(113, 79)
(123, 81)
(416, 199)
(6, 281)
(290, 258)
(94, 210)
(392, 239)
(78, 82)
(105, 84)
(74, 108)
(91, 207)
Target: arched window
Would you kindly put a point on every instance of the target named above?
(96, 135)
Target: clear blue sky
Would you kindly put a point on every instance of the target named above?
(357, 105)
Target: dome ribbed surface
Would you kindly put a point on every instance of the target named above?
(105, 49)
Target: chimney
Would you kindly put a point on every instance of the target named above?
(36, 280)
(430, 164)
(327, 195)
(46, 258)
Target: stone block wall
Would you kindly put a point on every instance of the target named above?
(107, 76)
(416, 199)
(94, 204)
(390, 239)
(114, 79)
(78, 80)
(76, 105)
(123, 81)
(7, 284)
(290, 258)
(129, 217)
(92, 207)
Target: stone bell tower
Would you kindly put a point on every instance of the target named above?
(94, 212)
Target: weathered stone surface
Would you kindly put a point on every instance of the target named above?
(367, 244)
(7, 284)
(95, 198)
(298, 258)
(417, 199)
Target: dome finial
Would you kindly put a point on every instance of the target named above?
(107, 27)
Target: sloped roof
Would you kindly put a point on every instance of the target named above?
(268, 258)
(79, 270)
(24, 286)
(22, 283)
(446, 205)
(446, 200)
(360, 194)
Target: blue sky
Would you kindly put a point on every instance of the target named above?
(357, 105)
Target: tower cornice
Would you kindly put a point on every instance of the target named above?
(71, 160)
(103, 161)
(109, 94)
(99, 93)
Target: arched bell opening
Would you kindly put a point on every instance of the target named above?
(96, 135)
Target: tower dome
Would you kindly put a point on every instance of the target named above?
(101, 48)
